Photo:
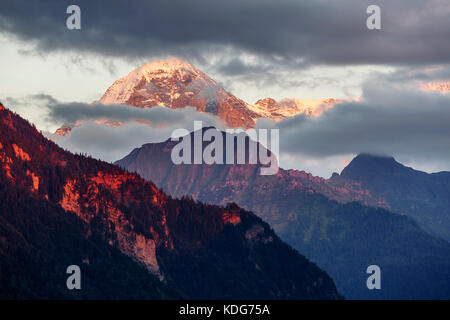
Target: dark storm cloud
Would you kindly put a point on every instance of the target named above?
(410, 74)
(286, 32)
(236, 67)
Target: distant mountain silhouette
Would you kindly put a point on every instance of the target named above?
(422, 196)
(323, 221)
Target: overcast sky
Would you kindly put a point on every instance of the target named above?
(255, 49)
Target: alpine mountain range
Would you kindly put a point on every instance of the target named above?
(219, 231)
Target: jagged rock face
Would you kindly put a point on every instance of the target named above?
(201, 251)
(177, 84)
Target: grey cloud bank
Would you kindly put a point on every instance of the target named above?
(391, 119)
(411, 125)
(285, 31)
(269, 44)
(137, 126)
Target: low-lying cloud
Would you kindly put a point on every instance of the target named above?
(110, 132)
(409, 124)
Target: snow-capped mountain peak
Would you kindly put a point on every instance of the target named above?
(174, 72)
(175, 84)
(168, 67)
(285, 108)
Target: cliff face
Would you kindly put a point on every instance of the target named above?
(194, 250)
